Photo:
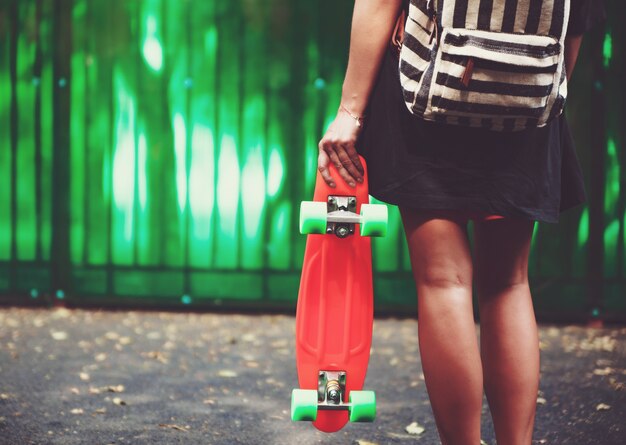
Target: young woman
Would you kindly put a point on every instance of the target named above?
(441, 177)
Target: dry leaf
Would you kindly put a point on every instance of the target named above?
(119, 401)
(365, 442)
(112, 335)
(100, 411)
(84, 376)
(603, 407)
(75, 391)
(605, 371)
(93, 390)
(77, 411)
(117, 388)
(174, 427)
(541, 401)
(227, 373)
(59, 335)
(617, 386)
(125, 341)
(415, 428)
(101, 357)
(157, 355)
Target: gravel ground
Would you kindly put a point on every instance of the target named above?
(105, 377)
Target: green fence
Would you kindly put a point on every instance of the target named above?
(155, 151)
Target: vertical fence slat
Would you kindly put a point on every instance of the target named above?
(62, 51)
(6, 147)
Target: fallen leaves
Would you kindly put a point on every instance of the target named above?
(603, 343)
(227, 373)
(603, 407)
(157, 355)
(119, 401)
(175, 427)
(116, 388)
(415, 429)
(59, 335)
(617, 386)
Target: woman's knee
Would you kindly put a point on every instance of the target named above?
(450, 275)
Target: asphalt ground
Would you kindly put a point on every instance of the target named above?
(111, 377)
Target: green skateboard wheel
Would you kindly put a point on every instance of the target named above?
(373, 220)
(313, 217)
(303, 404)
(362, 406)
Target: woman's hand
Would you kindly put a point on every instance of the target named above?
(339, 147)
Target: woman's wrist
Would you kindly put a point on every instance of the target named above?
(353, 103)
(358, 118)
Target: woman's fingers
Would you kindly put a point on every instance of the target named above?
(322, 165)
(350, 160)
(343, 172)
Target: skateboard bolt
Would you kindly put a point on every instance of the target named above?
(342, 231)
(334, 392)
(333, 396)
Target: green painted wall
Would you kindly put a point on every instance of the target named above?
(193, 129)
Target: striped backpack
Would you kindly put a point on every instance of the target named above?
(495, 64)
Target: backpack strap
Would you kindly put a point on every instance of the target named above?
(397, 37)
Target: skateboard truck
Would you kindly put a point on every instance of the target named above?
(342, 215)
(331, 388)
(337, 216)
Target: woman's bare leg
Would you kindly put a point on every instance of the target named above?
(509, 340)
(442, 267)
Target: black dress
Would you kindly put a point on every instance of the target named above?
(533, 174)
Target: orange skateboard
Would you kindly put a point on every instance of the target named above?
(335, 305)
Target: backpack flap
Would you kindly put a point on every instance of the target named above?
(496, 76)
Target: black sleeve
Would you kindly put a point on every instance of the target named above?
(584, 15)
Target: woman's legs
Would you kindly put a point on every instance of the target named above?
(442, 267)
(509, 340)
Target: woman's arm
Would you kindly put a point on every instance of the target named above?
(372, 24)
(572, 45)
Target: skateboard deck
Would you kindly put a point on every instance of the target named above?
(334, 313)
